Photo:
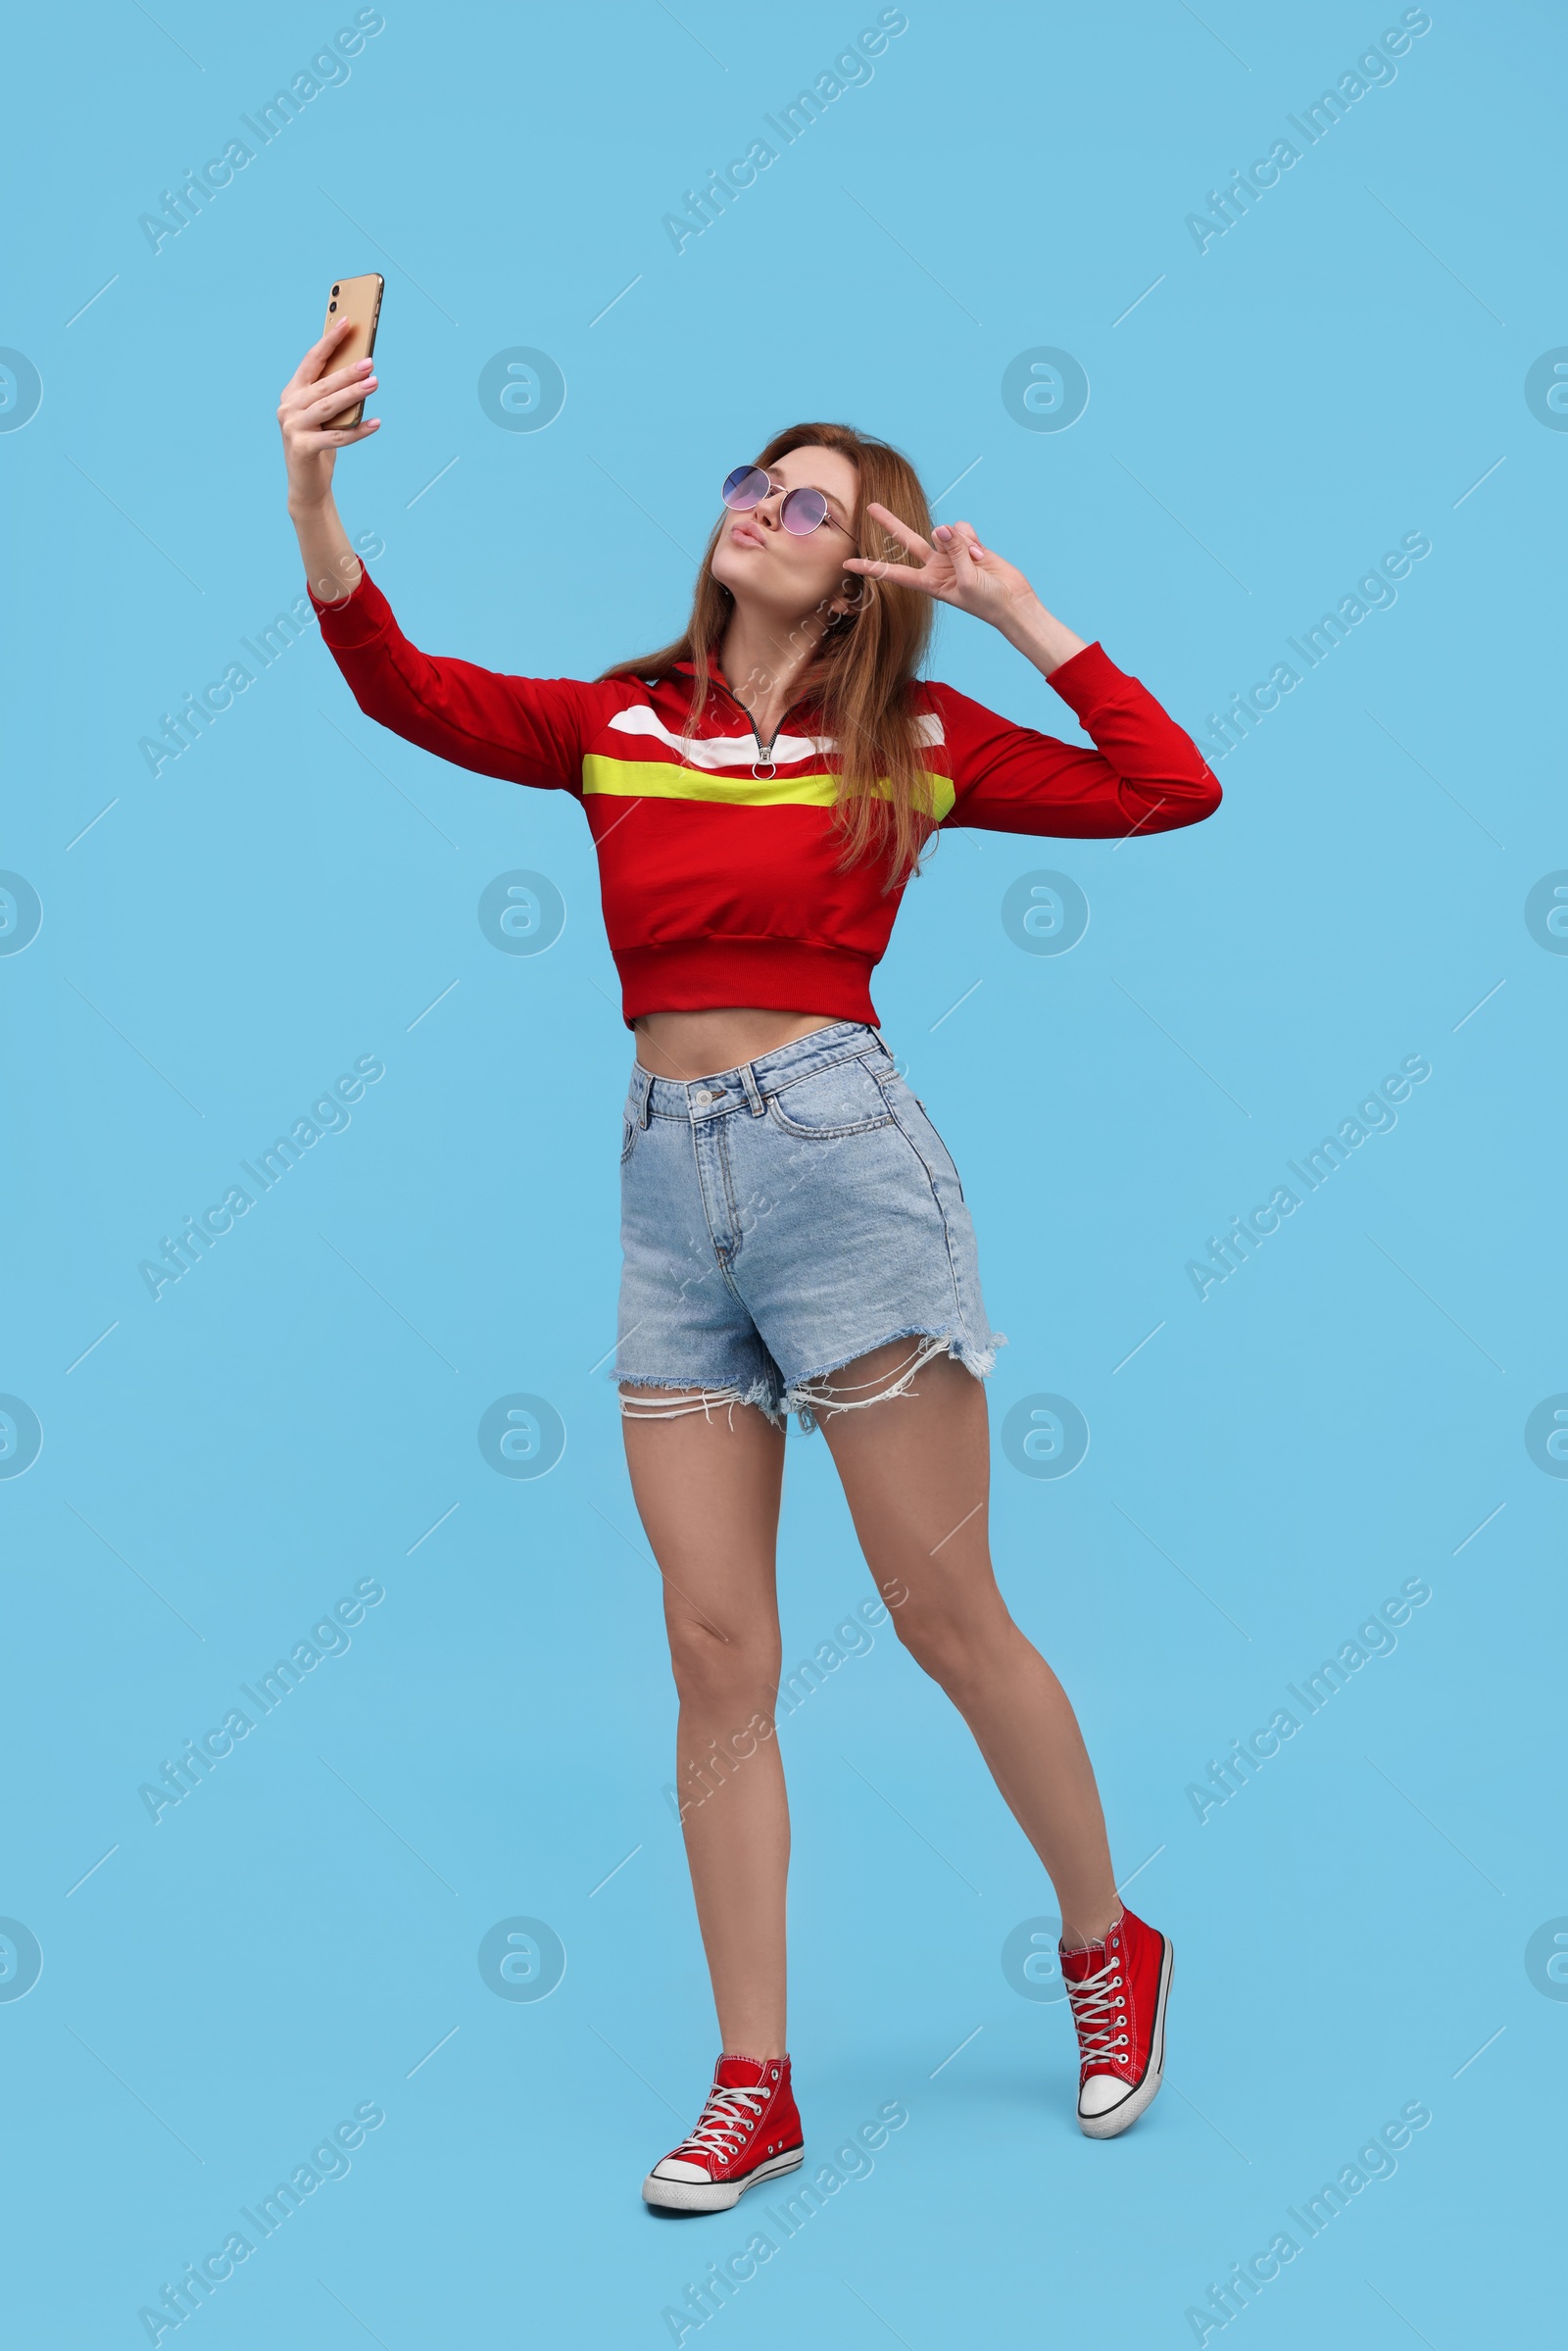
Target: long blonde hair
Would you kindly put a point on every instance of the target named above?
(865, 664)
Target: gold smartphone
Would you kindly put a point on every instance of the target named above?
(360, 300)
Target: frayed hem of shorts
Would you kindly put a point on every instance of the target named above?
(697, 1398)
(812, 1398)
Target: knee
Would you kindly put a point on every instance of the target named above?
(713, 1668)
(955, 1646)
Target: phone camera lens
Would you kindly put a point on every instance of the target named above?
(331, 305)
(336, 289)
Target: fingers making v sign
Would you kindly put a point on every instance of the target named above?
(954, 568)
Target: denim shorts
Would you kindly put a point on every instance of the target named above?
(781, 1220)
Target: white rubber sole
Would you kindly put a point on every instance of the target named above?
(693, 2195)
(1118, 2119)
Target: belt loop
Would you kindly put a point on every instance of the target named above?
(752, 1095)
(645, 1107)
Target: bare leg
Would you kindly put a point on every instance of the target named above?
(707, 1492)
(916, 1472)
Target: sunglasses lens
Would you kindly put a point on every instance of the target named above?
(802, 512)
(744, 488)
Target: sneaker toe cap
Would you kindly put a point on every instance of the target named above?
(676, 2167)
(1101, 2095)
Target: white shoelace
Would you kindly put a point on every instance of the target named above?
(728, 2115)
(1101, 2025)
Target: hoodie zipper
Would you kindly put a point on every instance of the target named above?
(765, 750)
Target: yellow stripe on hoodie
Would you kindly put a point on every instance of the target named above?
(657, 779)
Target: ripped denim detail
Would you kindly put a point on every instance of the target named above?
(674, 1400)
(815, 1400)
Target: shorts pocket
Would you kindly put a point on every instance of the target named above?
(917, 1130)
(628, 1137)
(843, 1099)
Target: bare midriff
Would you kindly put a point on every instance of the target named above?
(699, 1045)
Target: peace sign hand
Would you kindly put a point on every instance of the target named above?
(952, 566)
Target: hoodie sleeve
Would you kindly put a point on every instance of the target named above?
(1144, 774)
(526, 730)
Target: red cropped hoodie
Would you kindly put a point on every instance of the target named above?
(719, 861)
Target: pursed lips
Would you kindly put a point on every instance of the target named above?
(747, 534)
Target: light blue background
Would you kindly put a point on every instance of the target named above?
(1338, 369)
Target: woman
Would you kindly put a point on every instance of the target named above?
(795, 1233)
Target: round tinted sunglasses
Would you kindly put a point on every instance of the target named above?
(801, 512)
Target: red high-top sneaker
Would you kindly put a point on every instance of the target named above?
(748, 2131)
(1118, 1988)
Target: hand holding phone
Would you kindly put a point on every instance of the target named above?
(359, 301)
(323, 405)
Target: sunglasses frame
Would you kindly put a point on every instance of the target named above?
(736, 507)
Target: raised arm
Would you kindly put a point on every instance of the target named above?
(315, 394)
(526, 730)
